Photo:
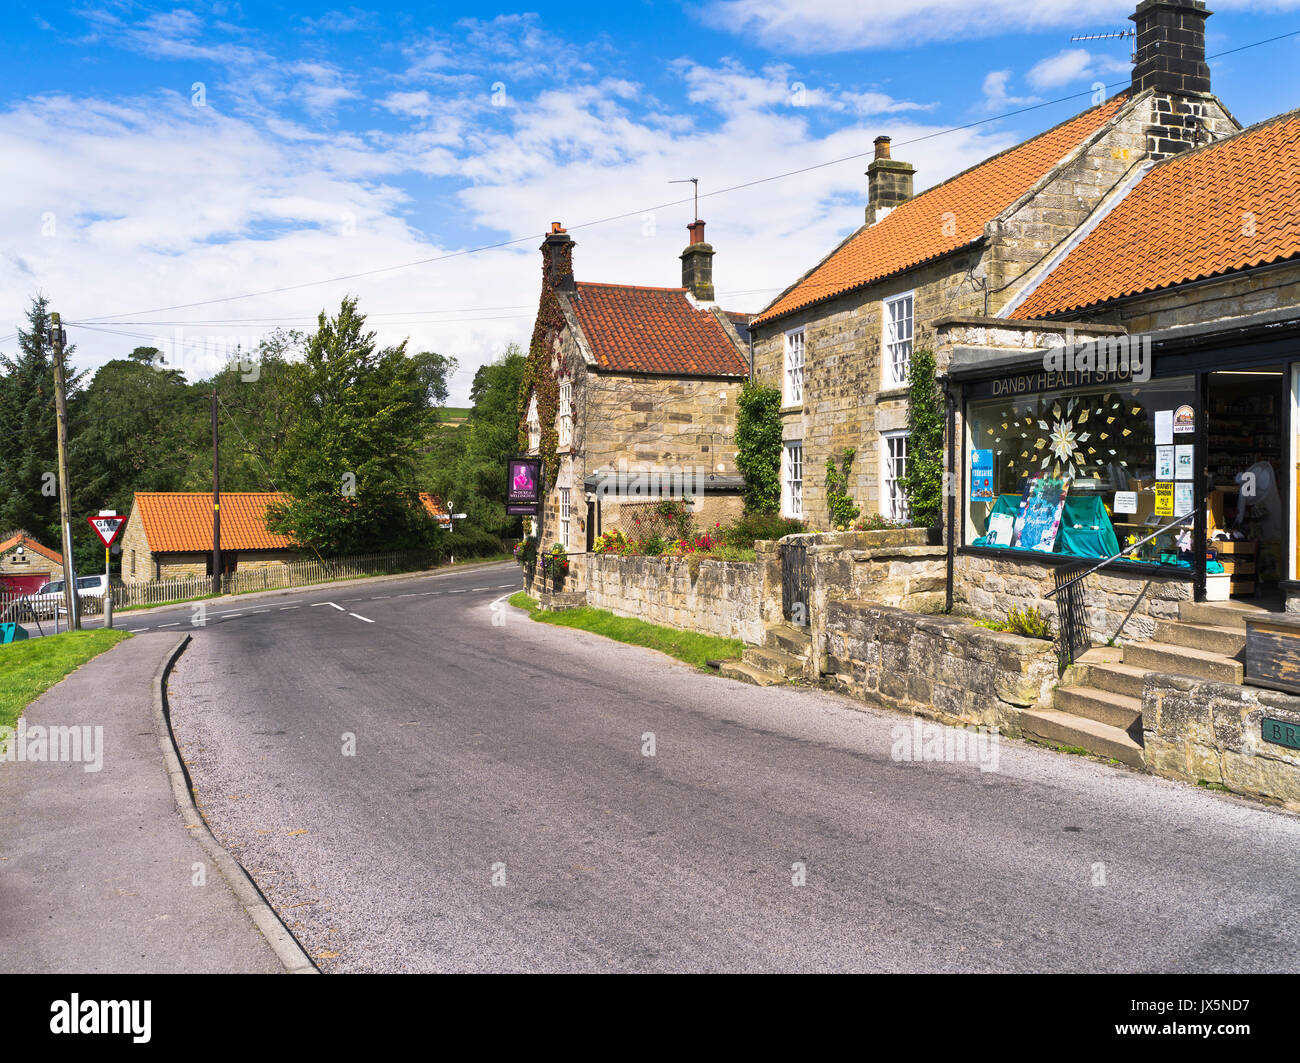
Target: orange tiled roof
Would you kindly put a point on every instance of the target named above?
(181, 521)
(654, 330)
(1227, 206)
(942, 219)
(434, 506)
(28, 543)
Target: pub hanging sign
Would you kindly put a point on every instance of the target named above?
(523, 486)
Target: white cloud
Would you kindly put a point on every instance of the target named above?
(848, 25)
(1074, 64)
(997, 97)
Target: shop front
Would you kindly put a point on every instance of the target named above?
(1180, 465)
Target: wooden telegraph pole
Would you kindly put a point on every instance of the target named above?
(65, 506)
(216, 502)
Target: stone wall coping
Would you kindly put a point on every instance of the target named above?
(1262, 696)
(882, 552)
(940, 624)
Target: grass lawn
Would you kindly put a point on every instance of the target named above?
(688, 646)
(28, 669)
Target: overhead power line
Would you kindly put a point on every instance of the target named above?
(501, 244)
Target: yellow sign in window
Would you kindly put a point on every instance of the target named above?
(1164, 500)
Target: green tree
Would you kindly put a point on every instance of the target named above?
(348, 459)
(840, 502)
(758, 447)
(28, 431)
(922, 483)
(476, 483)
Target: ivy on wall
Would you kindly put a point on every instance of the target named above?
(758, 447)
(838, 499)
(539, 377)
(923, 481)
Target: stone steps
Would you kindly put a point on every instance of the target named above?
(776, 662)
(1227, 641)
(1183, 660)
(1104, 706)
(747, 673)
(795, 641)
(1216, 614)
(1116, 677)
(1066, 729)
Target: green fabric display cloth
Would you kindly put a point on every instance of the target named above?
(1095, 536)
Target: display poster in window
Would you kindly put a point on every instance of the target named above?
(1164, 500)
(523, 486)
(1125, 502)
(1164, 427)
(1039, 519)
(1184, 500)
(981, 477)
(1183, 461)
(1002, 529)
(1164, 463)
(1184, 421)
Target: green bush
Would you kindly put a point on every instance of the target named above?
(758, 447)
(923, 480)
(655, 545)
(843, 511)
(1028, 622)
(755, 527)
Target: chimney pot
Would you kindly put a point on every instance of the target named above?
(890, 182)
(697, 264)
(557, 260)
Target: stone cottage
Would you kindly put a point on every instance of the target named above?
(26, 564)
(630, 397)
(839, 339)
(168, 535)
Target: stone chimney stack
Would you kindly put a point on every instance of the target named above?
(557, 260)
(1171, 61)
(889, 182)
(697, 264)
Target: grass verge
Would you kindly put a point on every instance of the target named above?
(688, 646)
(28, 669)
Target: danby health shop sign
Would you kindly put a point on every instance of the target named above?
(523, 486)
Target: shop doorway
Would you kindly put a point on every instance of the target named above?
(1251, 486)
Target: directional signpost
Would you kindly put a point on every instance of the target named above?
(108, 526)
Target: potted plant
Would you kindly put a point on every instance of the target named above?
(555, 565)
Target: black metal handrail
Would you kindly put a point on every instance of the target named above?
(1127, 550)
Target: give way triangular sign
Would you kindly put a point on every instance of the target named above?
(107, 528)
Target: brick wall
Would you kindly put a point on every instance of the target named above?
(1119, 604)
(724, 598)
(940, 667)
(1194, 729)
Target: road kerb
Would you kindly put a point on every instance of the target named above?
(282, 942)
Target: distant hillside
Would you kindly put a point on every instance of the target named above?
(453, 415)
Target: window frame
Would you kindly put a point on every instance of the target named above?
(888, 509)
(889, 342)
(566, 514)
(796, 340)
(534, 426)
(564, 426)
(792, 486)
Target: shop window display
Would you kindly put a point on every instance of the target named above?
(1083, 472)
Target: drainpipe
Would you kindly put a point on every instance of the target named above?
(951, 481)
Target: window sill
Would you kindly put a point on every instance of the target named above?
(892, 391)
(793, 408)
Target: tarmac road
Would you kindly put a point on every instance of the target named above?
(499, 813)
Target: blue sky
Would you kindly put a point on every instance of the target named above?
(166, 154)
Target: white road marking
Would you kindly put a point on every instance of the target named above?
(284, 607)
(135, 630)
(503, 586)
(456, 592)
(177, 624)
(256, 611)
(378, 597)
(482, 588)
(360, 617)
(408, 594)
(229, 616)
